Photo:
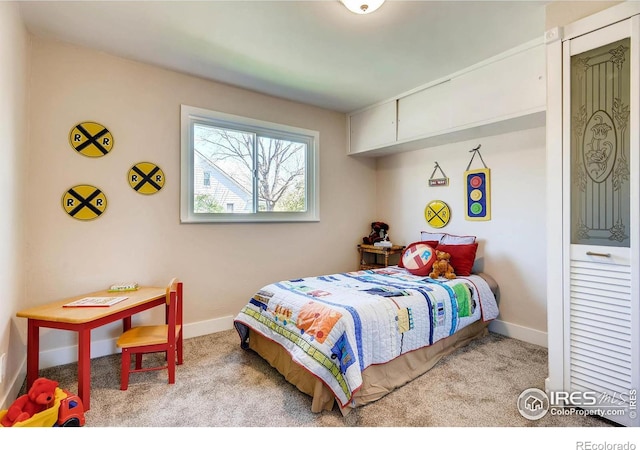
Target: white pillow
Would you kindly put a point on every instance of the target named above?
(428, 236)
(452, 239)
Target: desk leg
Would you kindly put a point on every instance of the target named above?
(126, 324)
(33, 351)
(84, 367)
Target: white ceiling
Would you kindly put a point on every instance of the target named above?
(315, 52)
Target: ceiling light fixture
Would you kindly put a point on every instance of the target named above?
(362, 6)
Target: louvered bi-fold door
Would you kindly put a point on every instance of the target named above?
(600, 211)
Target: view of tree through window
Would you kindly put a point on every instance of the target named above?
(241, 169)
(247, 172)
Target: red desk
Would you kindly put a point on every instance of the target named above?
(83, 320)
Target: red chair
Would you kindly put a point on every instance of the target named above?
(165, 338)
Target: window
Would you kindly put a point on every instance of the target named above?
(236, 169)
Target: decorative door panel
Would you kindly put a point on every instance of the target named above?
(600, 85)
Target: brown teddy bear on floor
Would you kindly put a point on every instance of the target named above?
(442, 268)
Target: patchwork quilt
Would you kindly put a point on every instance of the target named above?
(337, 325)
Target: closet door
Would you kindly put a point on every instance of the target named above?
(600, 198)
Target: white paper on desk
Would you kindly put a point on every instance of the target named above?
(95, 301)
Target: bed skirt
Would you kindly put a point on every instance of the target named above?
(378, 380)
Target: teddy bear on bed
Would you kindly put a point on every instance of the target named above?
(442, 267)
(41, 396)
(379, 231)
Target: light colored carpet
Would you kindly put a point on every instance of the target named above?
(221, 385)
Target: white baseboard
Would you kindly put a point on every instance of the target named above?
(547, 383)
(14, 386)
(208, 327)
(519, 332)
(67, 355)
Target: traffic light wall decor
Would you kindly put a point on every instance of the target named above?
(477, 184)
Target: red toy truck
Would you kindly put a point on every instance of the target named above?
(67, 411)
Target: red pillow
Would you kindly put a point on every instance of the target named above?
(431, 244)
(418, 258)
(462, 257)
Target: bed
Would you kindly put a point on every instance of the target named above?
(351, 338)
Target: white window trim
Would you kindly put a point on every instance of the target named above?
(189, 116)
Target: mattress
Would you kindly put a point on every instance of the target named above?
(352, 338)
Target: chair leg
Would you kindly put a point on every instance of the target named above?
(171, 364)
(124, 371)
(179, 348)
(138, 361)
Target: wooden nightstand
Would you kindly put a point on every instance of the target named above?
(372, 257)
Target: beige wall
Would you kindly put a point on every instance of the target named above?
(140, 238)
(559, 13)
(511, 244)
(13, 146)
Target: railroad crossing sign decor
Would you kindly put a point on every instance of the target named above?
(91, 139)
(146, 178)
(84, 202)
(437, 213)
